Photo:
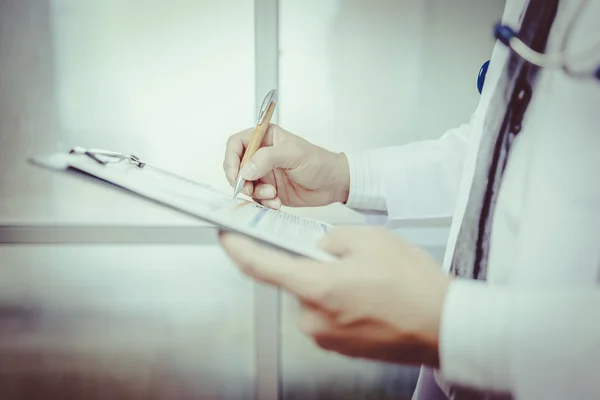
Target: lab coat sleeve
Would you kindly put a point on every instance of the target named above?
(535, 343)
(418, 180)
(366, 184)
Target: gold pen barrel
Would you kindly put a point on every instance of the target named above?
(262, 125)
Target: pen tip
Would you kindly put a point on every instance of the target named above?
(238, 187)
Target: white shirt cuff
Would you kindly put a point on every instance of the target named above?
(366, 186)
(475, 336)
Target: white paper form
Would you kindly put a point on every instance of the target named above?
(296, 234)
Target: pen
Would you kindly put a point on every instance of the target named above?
(264, 118)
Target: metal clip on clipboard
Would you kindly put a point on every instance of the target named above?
(104, 157)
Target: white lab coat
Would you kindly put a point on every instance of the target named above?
(533, 329)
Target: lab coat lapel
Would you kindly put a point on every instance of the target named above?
(502, 124)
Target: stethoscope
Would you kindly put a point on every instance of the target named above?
(560, 60)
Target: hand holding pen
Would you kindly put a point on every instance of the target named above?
(276, 167)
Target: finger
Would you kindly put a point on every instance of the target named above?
(301, 277)
(275, 203)
(234, 151)
(264, 191)
(269, 179)
(313, 321)
(344, 240)
(266, 159)
(248, 188)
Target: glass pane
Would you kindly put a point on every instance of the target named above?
(166, 80)
(124, 322)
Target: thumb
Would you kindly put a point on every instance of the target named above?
(266, 159)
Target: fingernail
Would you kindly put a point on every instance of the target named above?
(246, 190)
(249, 171)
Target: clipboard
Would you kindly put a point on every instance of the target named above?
(294, 234)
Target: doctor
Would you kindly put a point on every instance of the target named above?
(514, 312)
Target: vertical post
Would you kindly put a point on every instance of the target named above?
(266, 49)
(267, 299)
(29, 121)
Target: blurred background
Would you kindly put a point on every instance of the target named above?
(170, 80)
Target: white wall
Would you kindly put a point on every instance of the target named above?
(458, 40)
(365, 73)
